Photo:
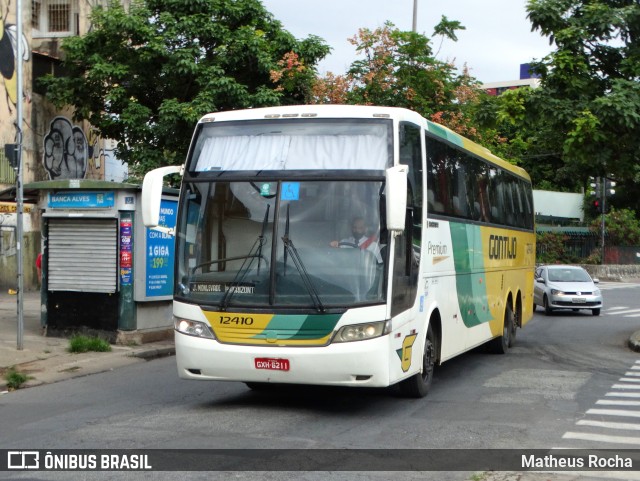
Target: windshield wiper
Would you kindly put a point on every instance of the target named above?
(255, 251)
(297, 261)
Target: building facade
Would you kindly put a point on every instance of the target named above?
(54, 146)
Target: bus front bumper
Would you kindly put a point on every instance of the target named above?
(361, 363)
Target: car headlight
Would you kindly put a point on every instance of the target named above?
(556, 292)
(192, 328)
(597, 292)
(361, 332)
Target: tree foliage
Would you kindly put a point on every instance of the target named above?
(399, 69)
(623, 228)
(587, 110)
(145, 76)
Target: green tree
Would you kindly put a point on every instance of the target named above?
(550, 248)
(145, 76)
(400, 69)
(623, 228)
(586, 113)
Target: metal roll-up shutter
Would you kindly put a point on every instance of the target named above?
(83, 255)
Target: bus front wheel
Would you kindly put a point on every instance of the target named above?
(418, 385)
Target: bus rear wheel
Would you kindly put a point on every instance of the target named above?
(500, 345)
(418, 385)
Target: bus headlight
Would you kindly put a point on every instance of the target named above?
(192, 328)
(361, 332)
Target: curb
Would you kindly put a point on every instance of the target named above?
(142, 354)
(151, 354)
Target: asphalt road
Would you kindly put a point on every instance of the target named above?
(553, 389)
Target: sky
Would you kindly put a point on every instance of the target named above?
(497, 39)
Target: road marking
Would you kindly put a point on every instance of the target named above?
(623, 394)
(605, 286)
(623, 401)
(613, 402)
(593, 475)
(609, 425)
(615, 412)
(630, 373)
(629, 311)
(604, 438)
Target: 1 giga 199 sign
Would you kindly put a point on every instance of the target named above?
(160, 252)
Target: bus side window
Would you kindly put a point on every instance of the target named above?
(406, 252)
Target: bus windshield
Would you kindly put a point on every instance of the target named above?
(310, 244)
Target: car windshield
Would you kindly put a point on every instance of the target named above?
(303, 244)
(568, 275)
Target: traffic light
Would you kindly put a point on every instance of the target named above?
(597, 205)
(595, 188)
(609, 185)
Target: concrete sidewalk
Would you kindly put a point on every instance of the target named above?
(46, 359)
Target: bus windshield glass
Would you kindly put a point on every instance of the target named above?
(292, 144)
(309, 244)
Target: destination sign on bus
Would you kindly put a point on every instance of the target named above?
(212, 287)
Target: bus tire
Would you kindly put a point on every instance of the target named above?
(500, 345)
(514, 325)
(418, 385)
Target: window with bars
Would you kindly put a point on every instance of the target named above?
(7, 172)
(54, 17)
(36, 11)
(59, 16)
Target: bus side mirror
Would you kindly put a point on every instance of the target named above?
(396, 197)
(152, 194)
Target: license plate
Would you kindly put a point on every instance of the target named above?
(272, 364)
(579, 300)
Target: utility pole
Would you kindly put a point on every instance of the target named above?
(602, 219)
(19, 189)
(415, 15)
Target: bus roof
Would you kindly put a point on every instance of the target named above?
(364, 111)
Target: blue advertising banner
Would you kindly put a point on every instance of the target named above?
(160, 253)
(81, 200)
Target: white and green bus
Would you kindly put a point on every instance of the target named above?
(343, 245)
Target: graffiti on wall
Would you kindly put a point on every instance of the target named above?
(66, 150)
(9, 54)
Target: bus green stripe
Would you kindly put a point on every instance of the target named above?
(445, 134)
(301, 326)
(471, 287)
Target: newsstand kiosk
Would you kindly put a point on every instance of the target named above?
(102, 270)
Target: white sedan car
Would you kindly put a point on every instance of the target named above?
(566, 287)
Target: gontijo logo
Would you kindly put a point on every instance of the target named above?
(502, 247)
